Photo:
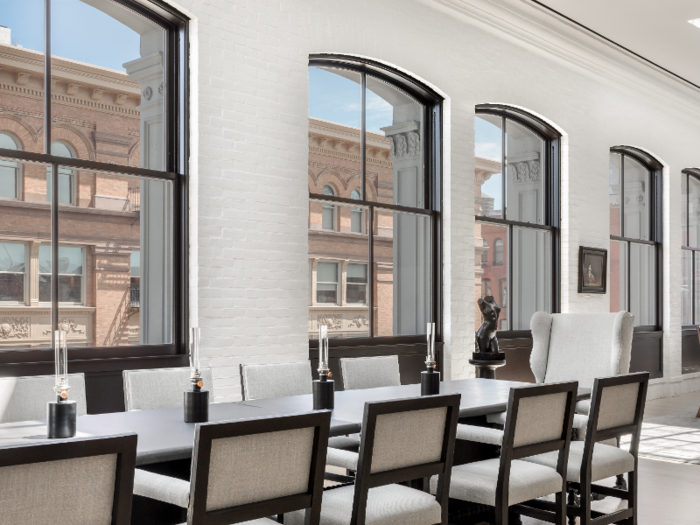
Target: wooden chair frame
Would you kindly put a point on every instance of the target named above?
(123, 445)
(309, 500)
(365, 480)
(510, 453)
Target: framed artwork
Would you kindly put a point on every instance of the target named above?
(592, 270)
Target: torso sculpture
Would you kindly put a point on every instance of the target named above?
(486, 342)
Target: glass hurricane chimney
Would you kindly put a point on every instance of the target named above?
(60, 346)
(323, 369)
(430, 359)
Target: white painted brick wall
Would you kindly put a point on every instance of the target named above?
(249, 235)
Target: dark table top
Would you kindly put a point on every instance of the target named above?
(164, 436)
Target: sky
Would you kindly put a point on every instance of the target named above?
(79, 32)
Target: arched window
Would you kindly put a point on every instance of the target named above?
(485, 255)
(356, 215)
(498, 253)
(690, 254)
(328, 210)
(9, 171)
(635, 235)
(66, 177)
(517, 209)
(379, 125)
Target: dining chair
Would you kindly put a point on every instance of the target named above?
(370, 372)
(249, 470)
(25, 398)
(402, 441)
(276, 380)
(539, 420)
(160, 387)
(617, 409)
(81, 481)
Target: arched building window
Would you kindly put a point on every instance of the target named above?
(381, 126)
(66, 177)
(635, 235)
(690, 254)
(9, 171)
(517, 210)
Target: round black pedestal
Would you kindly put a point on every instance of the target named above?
(486, 369)
(61, 419)
(196, 406)
(323, 394)
(429, 383)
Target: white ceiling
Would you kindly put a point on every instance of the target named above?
(658, 30)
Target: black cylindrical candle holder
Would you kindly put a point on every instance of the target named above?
(61, 419)
(196, 406)
(323, 392)
(429, 383)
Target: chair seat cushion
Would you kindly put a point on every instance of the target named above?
(351, 442)
(476, 482)
(387, 505)
(499, 418)
(342, 458)
(490, 436)
(583, 406)
(261, 521)
(607, 461)
(162, 488)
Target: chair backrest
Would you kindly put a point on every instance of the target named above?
(250, 469)
(404, 440)
(276, 380)
(617, 409)
(580, 347)
(25, 398)
(160, 387)
(370, 372)
(78, 481)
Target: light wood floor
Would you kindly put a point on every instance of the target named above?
(669, 493)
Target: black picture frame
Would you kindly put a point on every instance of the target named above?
(592, 262)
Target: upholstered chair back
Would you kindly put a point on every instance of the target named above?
(580, 347)
(160, 387)
(25, 398)
(76, 482)
(405, 439)
(370, 372)
(618, 404)
(540, 419)
(276, 380)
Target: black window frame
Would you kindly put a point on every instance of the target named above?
(552, 200)
(17, 362)
(688, 173)
(655, 225)
(432, 202)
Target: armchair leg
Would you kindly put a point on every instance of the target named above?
(572, 500)
(621, 482)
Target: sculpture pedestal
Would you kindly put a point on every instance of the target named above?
(323, 394)
(61, 419)
(429, 383)
(487, 363)
(196, 406)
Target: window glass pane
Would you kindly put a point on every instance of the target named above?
(394, 145)
(123, 229)
(488, 274)
(637, 203)
(487, 166)
(694, 211)
(532, 275)
(328, 222)
(643, 284)
(338, 286)
(108, 67)
(697, 288)
(615, 193)
(9, 171)
(686, 287)
(618, 276)
(70, 269)
(357, 215)
(12, 272)
(335, 115)
(66, 176)
(525, 163)
(402, 273)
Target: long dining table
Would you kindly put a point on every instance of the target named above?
(165, 439)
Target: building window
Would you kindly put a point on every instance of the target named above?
(690, 253)
(9, 171)
(517, 211)
(485, 255)
(13, 267)
(327, 283)
(378, 128)
(635, 236)
(486, 287)
(104, 179)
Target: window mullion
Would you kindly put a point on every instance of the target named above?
(54, 248)
(509, 261)
(363, 138)
(47, 77)
(370, 270)
(504, 178)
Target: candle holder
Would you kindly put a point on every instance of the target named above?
(430, 379)
(62, 414)
(323, 388)
(196, 399)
